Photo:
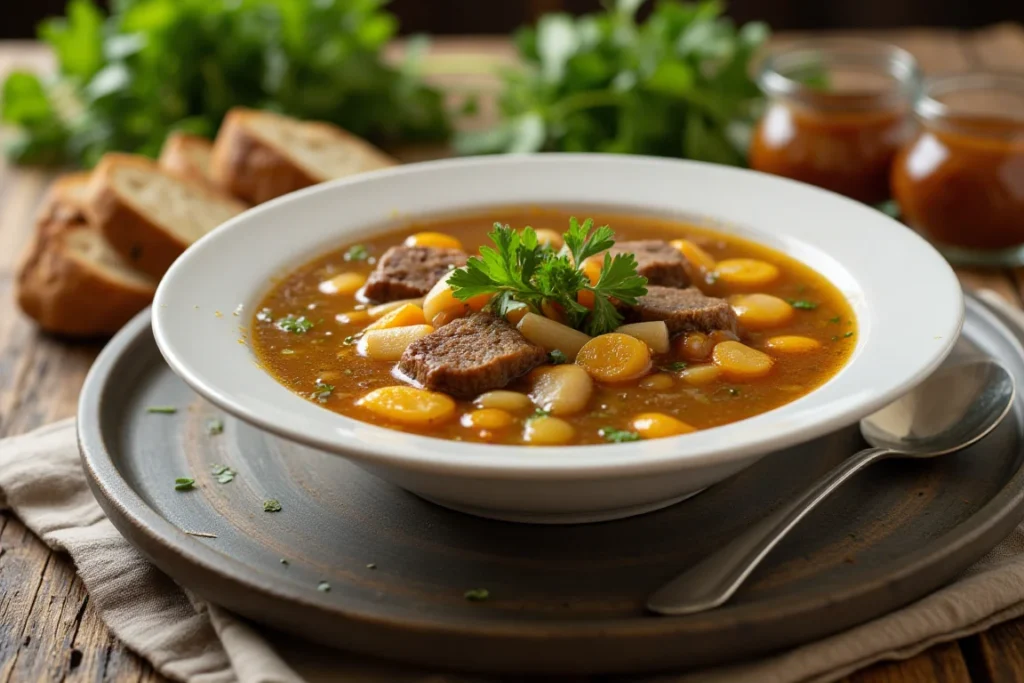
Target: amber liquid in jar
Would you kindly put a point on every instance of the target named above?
(838, 113)
(960, 182)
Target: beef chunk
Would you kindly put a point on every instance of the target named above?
(410, 272)
(656, 260)
(469, 356)
(684, 310)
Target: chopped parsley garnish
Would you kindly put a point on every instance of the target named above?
(556, 357)
(540, 412)
(271, 505)
(835, 321)
(223, 473)
(163, 410)
(214, 426)
(612, 435)
(351, 340)
(357, 252)
(803, 304)
(674, 366)
(323, 587)
(522, 273)
(477, 594)
(847, 335)
(264, 315)
(322, 392)
(184, 483)
(295, 325)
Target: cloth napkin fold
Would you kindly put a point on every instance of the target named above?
(187, 639)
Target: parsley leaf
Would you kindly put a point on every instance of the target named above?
(477, 594)
(612, 435)
(802, 304)
(224, 474)
(540, 412)
(357, 252)
(214, 426)
(557, 357)
(322, 391)
(164, 410)
(835, 320)
(184, 484)
(675, 366)
(296, 325)
(522, 273)
(271, 505)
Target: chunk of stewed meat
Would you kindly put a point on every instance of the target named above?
(410, 272)
(656, 260)
(469, 356)
(684, 310)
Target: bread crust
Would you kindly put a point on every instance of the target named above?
(175, 156)
(65, 294)
(245, 165)
(140, 241)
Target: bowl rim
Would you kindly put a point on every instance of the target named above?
(805, 418)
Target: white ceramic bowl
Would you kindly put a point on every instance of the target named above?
(907, 300)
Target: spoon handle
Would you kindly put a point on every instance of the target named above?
(715, 579)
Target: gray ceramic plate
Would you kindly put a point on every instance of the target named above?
(562, 599)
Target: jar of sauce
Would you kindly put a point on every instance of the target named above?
(838, 111)
(960, 182)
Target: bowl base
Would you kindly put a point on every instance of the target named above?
(561, 517)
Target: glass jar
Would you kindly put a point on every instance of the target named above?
(838, 111)
(960, 182)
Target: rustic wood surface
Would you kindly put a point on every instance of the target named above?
(48, 629)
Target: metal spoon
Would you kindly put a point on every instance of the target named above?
(952, 409)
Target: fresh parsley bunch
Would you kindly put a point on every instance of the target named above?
(676, 85)
(127, 79)
(521, 272)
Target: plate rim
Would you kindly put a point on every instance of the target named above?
(144, 526)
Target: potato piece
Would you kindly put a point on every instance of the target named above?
(345, 283)
(699, 375)
(549, 237)
(440, 299)
(352, 317)
(437, 240)
(701, 260)
(548, 431)
(739, 361)
(380, 310)
(561, 389)
(409, 405)
(491, 419)
(510, 401)
(695, 346)
(792, 344)
(552, 335)
(391, 343)
(746, 272)
(615, 357)
(761, 311)
(403, 316)
(658, 382)
(659, 426)
(654, 334)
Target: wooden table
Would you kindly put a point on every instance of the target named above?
(48, 629)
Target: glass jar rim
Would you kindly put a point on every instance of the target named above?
(895, 61)
(930, 108)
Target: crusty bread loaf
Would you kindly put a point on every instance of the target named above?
(260, 155)
(187, 155)
(149, 215)
(69, 279)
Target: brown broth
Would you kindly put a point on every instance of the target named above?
(321, 354)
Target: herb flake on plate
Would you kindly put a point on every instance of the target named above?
(612, 435)
(184, 484)
(477, 594)
(214, 426)
(271, 505)
(223, 473)
(162, 410)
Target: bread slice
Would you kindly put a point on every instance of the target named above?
(260, 155)
(187, 155)
(69, 279)
(149, 215)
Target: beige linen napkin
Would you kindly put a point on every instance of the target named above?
(186, 639)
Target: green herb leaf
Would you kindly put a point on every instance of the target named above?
(835, 320)
(802, 304)
(163, 410)
(539, 412)
(613, 435)
(357, 252)
(674, 366)
(557, 357)
(322, 391)
(477, 594)
(295, 325)
(223, 473)
(848, 335)
(271, 505)
(214, 426)
(184, 483)
(351, 340)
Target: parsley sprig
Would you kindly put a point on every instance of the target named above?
(521, 272)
